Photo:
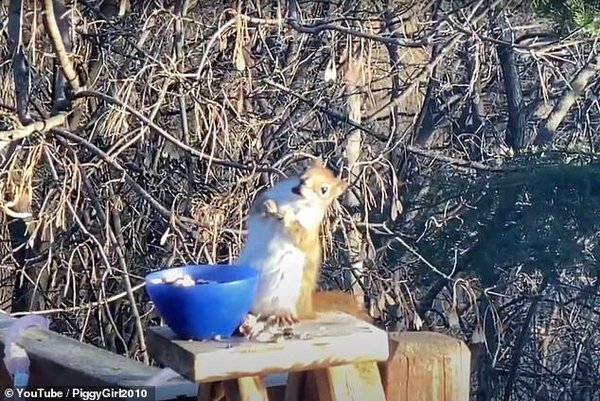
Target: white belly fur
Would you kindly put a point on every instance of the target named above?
(280, 267)
(279, 262)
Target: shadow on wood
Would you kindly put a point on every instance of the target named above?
(423, 366)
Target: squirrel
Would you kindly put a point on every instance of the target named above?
(284, 244)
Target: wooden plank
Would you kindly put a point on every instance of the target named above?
(60, 360)
(358, 382)
(253, 389)
(332, 339)
(426, 366)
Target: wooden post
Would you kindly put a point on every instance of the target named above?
(426, 366)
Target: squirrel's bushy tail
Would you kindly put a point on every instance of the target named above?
(337, 301)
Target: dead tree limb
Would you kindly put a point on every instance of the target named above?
(57, 43)
(172, 139)
(163, 211)
(21, 73)
(62, 18)
(181, 7)
(562, 107)
(353, 153)
(515, 135)
(22, 79)
(38, 126)
(424, 126)
(471, 121)
(116, 238)
(384, 136)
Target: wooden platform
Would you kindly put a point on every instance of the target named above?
(331, 340)
(424, 366)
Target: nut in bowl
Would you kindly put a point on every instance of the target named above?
(200, 302)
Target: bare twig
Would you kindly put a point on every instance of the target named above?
(117, 240)
(353, 152)
(430, 154)
(523, 336)
(38, 126)
(90, 305)
(174, 140)
(562, 107)
(167, 214)
(59, 46)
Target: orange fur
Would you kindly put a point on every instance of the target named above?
(337, 301)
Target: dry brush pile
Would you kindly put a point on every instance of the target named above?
(135, 135)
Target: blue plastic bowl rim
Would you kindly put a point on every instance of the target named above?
(150, 275)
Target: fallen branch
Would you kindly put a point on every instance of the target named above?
(38, 126)
(562, 107)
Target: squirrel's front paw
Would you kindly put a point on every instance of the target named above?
(251, 327)
(284, 319)
(270, 207)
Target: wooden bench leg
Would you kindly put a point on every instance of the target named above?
(251, 388)
(359, 382)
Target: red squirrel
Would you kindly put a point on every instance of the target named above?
(284, 244)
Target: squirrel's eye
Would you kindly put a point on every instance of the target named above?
(324, 189)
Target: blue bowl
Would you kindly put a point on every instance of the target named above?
(203, 311)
